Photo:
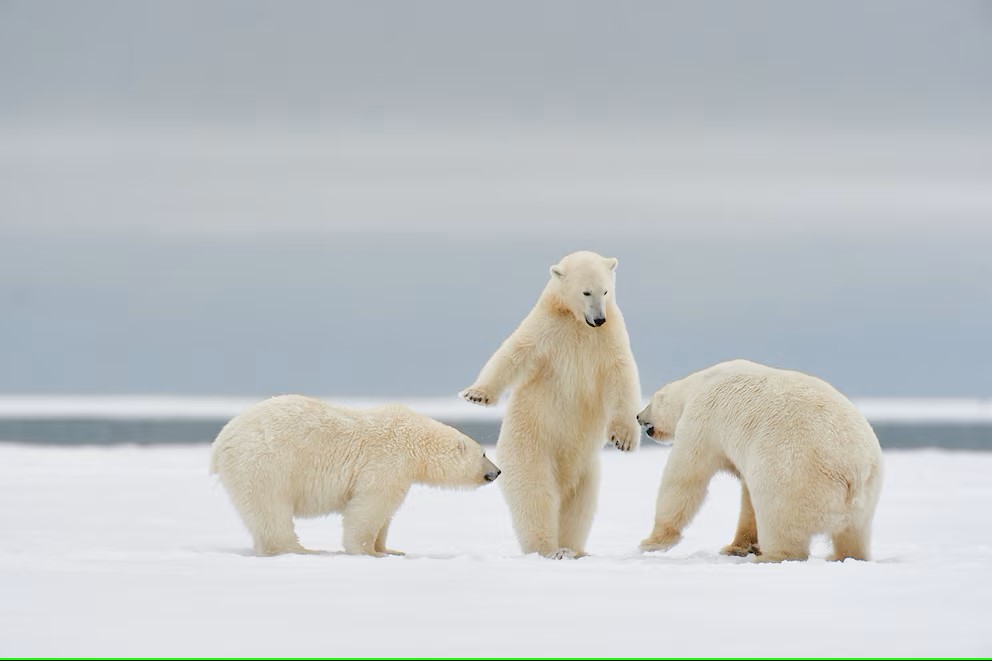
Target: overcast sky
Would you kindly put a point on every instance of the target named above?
(904, 61)
(363, 198)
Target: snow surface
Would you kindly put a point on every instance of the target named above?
(963, 410)
(136, 551)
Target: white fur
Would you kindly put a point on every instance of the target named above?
(808, 461)
(575, 385)
(298, 456)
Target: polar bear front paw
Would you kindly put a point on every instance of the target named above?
(660, 542)
(563, 554)
(624, 434)
(477, 395)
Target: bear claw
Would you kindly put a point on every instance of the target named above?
(624, 440)
(475, 396)
(623, 446)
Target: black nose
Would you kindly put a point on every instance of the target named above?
(638, 418)
(493, 475)
(599, 322)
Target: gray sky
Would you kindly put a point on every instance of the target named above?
(363, 198)
(903, 61)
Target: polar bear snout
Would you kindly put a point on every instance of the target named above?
(489, 470)
(643, 421)
(649, 428)
(594, 312)
(656, 434)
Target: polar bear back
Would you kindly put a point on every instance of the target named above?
(309, 452)
(779, 424)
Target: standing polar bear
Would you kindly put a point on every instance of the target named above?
(575, 385)
(807, 459)
(298, 456)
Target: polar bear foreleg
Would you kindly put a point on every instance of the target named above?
(682, 491)
(623, 392)
(502, 369)
(380, 540)
(365, 516)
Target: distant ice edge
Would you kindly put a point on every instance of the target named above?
(961, 410)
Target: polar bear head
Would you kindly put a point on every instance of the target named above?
(660, 417)
(452, 459)
(583, 282)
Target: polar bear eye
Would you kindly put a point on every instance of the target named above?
(587, 293)
(605, 292)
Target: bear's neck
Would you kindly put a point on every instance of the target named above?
(555, 306)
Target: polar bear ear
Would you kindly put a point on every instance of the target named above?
(557, 272)
(612, 262)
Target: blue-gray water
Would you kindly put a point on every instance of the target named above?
(110, 431)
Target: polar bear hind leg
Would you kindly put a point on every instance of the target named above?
(850, 543)
(785, 535)
(854, 540)
(577, 512)
(534, 505)
(746, 538)
(270, 523)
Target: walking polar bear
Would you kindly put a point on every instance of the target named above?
(575, 385)
(807, 459)
(298, 456)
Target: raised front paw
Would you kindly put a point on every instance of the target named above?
(477, 395)
(660, 541)
(625, 434)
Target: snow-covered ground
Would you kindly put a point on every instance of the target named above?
(136, 551)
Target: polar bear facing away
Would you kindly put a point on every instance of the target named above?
(298, 456)
(808, 461)
(575, 385)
